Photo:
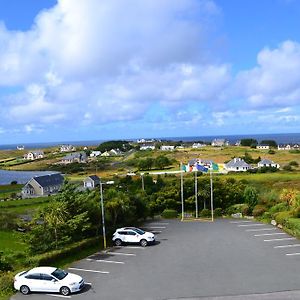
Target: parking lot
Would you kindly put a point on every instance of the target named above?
(191, 260)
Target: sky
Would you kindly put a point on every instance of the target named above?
(114, 69)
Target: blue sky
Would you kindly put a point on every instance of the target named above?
(90, 69)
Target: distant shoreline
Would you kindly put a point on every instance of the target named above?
(278, 137)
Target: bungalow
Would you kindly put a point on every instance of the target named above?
(43, 185)
(34, 155)
(77, 157)
(219, 143)
(167, 148)
(284, 147)
(236, 165)
(95, 153)
(91, 182)
(147, 147)
(198, 145)
(267, 163)
(67, 148)
(263, 147)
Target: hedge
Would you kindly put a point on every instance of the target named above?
(169, 213)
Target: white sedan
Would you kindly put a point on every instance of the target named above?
(48, 279)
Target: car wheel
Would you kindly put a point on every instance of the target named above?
(24, 289)
(143, 243)
(64, 290)
(118, 242)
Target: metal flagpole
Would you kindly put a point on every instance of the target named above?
(103, 217)
(211, 197)
(181, 186)
(196, 194)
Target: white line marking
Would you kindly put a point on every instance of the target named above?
(284, 239)
(61, 296)
(240, 222)
(87, 270)
(158, 223)
(120, 253)
(132, 247)
(288, 246)
(264, 234)
(248, 225)
(154, 227)
(87, 283)
(106, 261)
(292, 254)
(262, 229)
(155, 231)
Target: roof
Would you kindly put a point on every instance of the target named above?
(49, 180)
(71, 156)
(237, 162)
(266, 162)
(94, 177)
(43, 270)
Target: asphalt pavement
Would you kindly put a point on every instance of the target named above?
(227, 259)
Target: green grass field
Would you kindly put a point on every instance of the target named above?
(11, 241)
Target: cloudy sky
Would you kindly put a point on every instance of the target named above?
(103, 69)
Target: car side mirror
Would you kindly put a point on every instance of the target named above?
(54, 280)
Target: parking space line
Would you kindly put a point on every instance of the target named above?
(261, 229)
(57, 295)
(292, 254)
(106, 261)
(159, 223)
(120, 253)
(265, 234)
(156, 231)
(287, 246)
(87, 270)
(248, 225)
(154, 227)
(240, 222)
(133, 247)
(284, 239)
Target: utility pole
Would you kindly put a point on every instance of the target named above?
(181, 186)
(196, 193)
(143, 184)
(103, 217)
(211, 197)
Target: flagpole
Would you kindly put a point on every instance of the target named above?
(211, 197)
(196, 194)
(181, 186)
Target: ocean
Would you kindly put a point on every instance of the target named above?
(280, 138)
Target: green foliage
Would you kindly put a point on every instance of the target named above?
(237, 208)
(6, 283)
(8, 221)
(294, 163)
(280, 207)
(169, 214)
(250, 196)
(205, 213)
(259, 210)
(161, 162)
(271, 151)
(4, 264)
(249, 159)
(218, 212)
(282, 217)
(287, 168)
(248, 142)
(121, 145)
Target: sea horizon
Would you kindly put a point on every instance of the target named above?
(280, 138)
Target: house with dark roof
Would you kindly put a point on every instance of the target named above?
(91, 182)
(237, 165)
(43, 185)
(267, 163)
(77, 157)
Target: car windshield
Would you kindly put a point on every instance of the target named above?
(139, 231)
(59, 274)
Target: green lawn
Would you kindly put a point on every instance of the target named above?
(11, 241)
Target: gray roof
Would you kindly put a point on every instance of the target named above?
(49, 180)
(237, 162)
(79, 155)
(94, 177)
(266, 162)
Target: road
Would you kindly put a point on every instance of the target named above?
(227, 259)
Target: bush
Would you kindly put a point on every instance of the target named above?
(282, 217)
(259, 210)
(287, 168)
(293, 163)
(278, 208)
(169, 213)
(294, 225)
(237, 208)
(205, 213)
(6, 283)
(218, 212)
(271, 151)
(267, 215)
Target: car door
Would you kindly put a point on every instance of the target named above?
(132, 236)
(34, 282)
(49, 283)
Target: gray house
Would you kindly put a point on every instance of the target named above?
(43, 185)
(267, 163)
(237, 165)
(79, 157)
(91, 182)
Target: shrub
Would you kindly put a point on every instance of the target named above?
(6, 283)
(294, 163)
(267, 215)
(250, 196)
(271, 151)
(259, 210)
(236, 208)
(282, 217)
(218, 212)
(278, 208)
(294, 225)
(205, 213)
(169, 213)
(287, 168)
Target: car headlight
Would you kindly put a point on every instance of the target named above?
(73, 283)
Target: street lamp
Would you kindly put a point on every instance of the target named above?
(102, 211)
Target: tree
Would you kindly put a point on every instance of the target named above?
(270, 143)
(250, 196)
(248, 142)
(161, 162)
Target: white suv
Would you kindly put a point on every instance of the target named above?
(132, 235)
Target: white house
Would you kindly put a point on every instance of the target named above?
(198, 145)
(34, 155)
(219, 143)
(67, 148)
(147, 147)
(237, 165)
(95, 153)
(167, 148)
(267, 163)
(263, 147)
(91, 182)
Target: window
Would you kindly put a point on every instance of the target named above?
(59, 274)
(131, 233)
(34, 276)
(122, 232)
(47, 277)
